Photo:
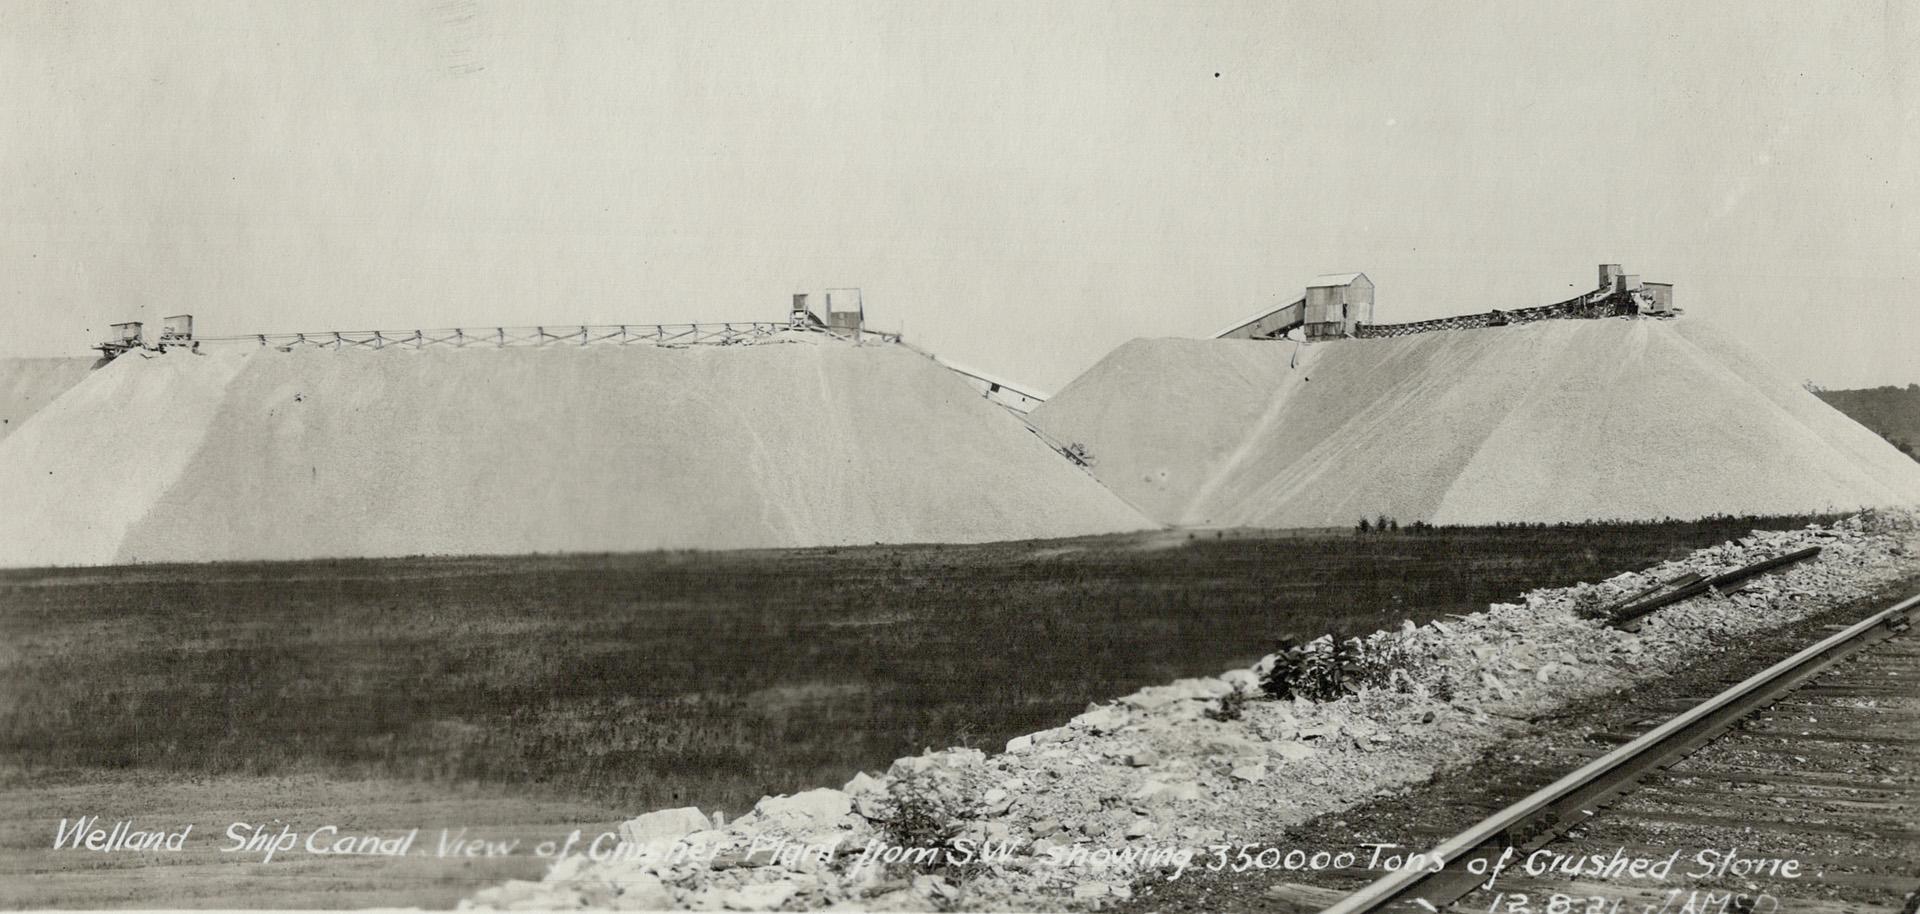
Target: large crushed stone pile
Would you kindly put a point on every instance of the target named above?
(1550, 421)
(28, 385)
(1133, 789)
(270, 455)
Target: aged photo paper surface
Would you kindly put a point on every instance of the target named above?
(974, 456)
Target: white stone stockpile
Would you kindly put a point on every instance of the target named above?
(28, 385)
(259, 454)
(1121, 792)
(1552, 421)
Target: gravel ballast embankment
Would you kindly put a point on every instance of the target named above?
(1137, 788)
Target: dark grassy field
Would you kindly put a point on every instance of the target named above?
(640, 681)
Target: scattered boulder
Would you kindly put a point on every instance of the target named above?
(863, 784)
(1290, 749)
(1055, 735)
(1159, 791)
(666, 825)
(1104, 719)
(641, 892)
(1086, 890)
(764, 896)
(959, 758)
(807, 813)
(567, 869)
(1150, 698)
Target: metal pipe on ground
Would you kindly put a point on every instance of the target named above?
(1631, 614)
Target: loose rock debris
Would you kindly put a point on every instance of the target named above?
(1146, 786)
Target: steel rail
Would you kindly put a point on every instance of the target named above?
(1551, 810)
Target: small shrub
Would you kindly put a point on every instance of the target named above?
(1592, 603)
(1285, 673)
(1376, 660)
(1320, 670)
(1232, 706)
(921, 815)
(1327, 669)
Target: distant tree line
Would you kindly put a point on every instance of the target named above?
(1388, 524)
(1891, 412)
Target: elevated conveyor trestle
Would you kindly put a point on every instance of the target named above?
(1268, 325)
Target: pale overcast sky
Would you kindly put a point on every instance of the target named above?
(1019, 186)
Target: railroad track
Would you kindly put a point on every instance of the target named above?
(1817, 763)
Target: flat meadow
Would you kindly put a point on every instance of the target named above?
(505, 692)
